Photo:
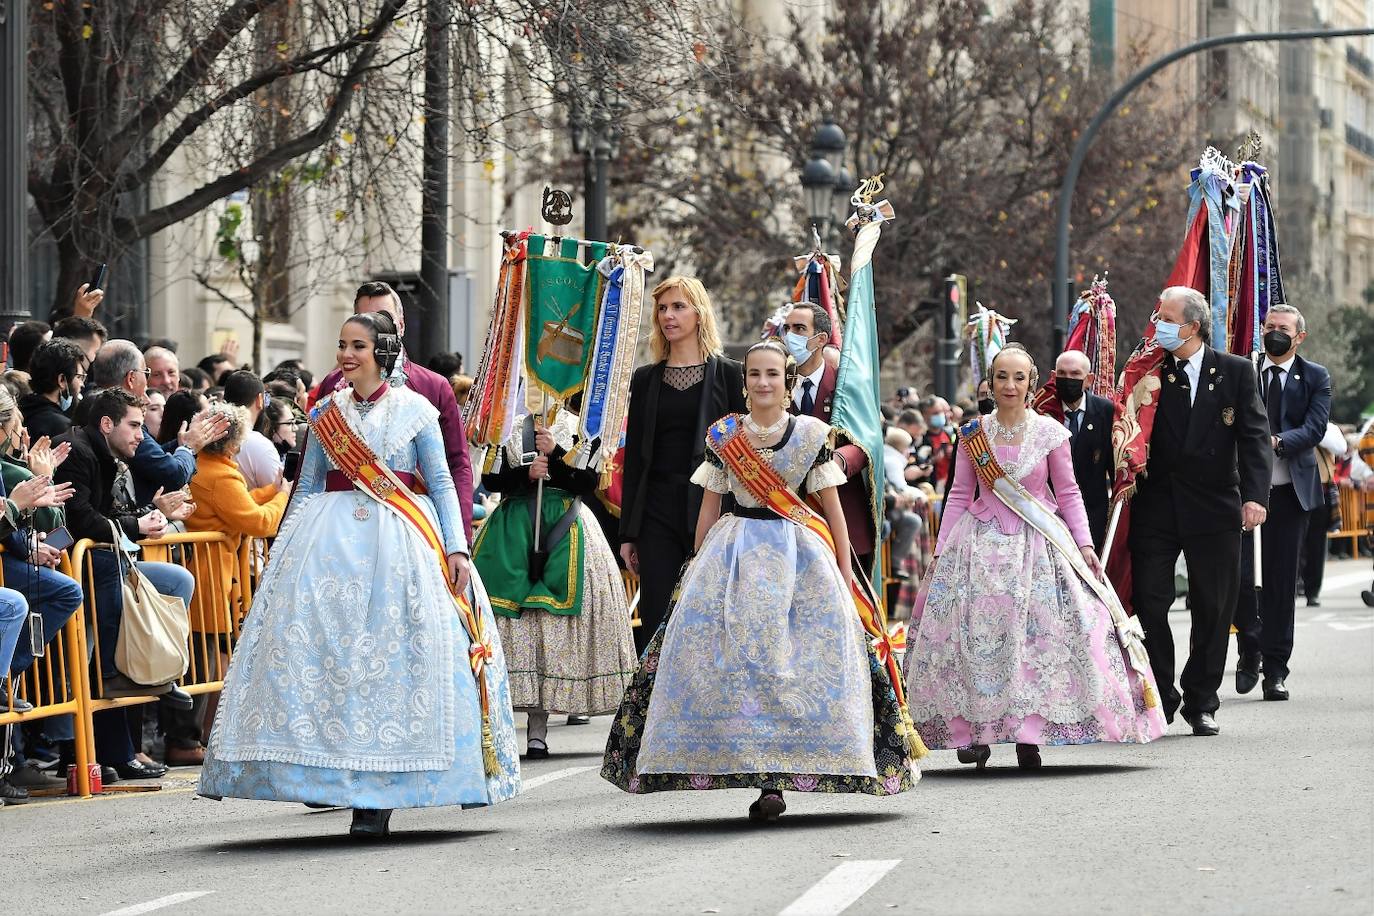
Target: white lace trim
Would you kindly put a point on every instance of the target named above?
(712, 478)
(824, 476)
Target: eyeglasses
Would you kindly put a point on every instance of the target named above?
(147, 373)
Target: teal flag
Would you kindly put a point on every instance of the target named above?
(856, 408)
(564, 298)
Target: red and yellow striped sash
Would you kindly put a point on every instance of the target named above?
(352, 456)
(767, 486)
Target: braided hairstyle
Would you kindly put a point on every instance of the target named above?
(386, 339)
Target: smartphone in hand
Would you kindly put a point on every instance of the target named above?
(98, 278)
(59, 538)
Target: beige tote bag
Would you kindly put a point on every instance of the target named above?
(154, 636)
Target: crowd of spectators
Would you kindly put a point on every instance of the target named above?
(115, 441)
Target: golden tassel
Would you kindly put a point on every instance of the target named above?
(915, 747)
(489, 761)
(1151, 696)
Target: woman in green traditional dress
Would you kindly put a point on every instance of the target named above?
(561, 610)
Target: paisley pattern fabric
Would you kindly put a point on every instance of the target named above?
(1007, 643)
(350, 683)
(761, 676)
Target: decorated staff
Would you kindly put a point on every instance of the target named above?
(986, 334)
(820, 283)
(1254, 281)
(1092, 332)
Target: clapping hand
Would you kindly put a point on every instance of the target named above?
(42, 458)
(39, 493)
(230, 350)
(175, 506)
(152, 525)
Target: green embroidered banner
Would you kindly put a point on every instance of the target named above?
(563, 299)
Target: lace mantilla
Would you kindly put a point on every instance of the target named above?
(683, 377)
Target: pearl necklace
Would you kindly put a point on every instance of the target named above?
(1009, 433)
(763, 432)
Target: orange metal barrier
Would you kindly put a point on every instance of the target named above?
(56, 686)
(1355, 517)
(217, 610)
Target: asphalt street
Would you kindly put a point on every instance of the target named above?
(1275, 815)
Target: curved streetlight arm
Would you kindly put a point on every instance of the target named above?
(1060, 279)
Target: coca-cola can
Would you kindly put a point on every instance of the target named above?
(97, 785)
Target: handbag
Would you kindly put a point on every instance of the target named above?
(154, 634)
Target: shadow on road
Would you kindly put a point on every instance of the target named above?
(341, 842)
(741, 824)
(1011, 771)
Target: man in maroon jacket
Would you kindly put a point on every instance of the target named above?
(376, 296)
(806, 333)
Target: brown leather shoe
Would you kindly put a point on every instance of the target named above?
(184, 756)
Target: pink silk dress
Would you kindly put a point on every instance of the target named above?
(1009, 644)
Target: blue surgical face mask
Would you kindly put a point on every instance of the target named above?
(797, 346)
(1166, 332)
(937, 421)
(64, 402)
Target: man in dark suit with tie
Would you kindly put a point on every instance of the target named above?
(1207, 479)
(806, 334)
(1297, 397)
(1089, 419)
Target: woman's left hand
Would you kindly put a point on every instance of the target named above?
(458, 571)
(1090, 557)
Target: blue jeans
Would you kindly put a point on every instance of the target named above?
(50, 594)
(112, 743)
(14, 613)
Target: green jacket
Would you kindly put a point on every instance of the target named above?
(14, 474)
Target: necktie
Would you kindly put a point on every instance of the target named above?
(808, 403)
(1178, 368)
(1075, 418)
(1273, 400)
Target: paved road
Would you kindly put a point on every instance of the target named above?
(1274, 816)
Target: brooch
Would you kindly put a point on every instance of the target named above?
(362, 513)
(1228, 415)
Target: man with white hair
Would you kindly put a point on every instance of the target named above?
(1207, 478)
(1297, 397)
(1088, 418)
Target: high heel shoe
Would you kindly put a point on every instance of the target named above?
(1028, 756)
(371, 823)
(768, 807)
(975, 753)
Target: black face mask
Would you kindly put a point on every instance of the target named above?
(1277, 343)
(986, 406)
(1070, 389)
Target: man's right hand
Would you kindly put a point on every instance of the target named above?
(202, 429)
(87, 300)
(152, 525)
(630, 554)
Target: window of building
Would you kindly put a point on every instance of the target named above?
(1219, 74)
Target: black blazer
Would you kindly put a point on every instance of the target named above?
(1205, 461)
(1092, 461)
(90, 469)
(1306, 410)
(722, 393)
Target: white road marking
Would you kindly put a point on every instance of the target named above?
(547, 778)
(837, 891)
(1341, 581)
(157, 904)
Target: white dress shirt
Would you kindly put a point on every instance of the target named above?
(1192, 367)
(815, 379)
(1081, 407)
(1281, 475)
(258, 460)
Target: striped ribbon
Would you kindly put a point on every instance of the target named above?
(351, 455)
(769, 489)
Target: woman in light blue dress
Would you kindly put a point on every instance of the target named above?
(351, 684)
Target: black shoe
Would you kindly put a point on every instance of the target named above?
(1368, 598)
(1247, 673)
(768, 807)
(536, 750)
(114, 686)
(30, 777)
(1204, 723)
(176, 698)
(371, 823)
(135, 770)
(12, 794)
(1275, 689)
(1313, 602)
(1028, 756)
(579, 720)
(974, 753)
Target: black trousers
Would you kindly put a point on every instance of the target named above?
(1313, 557)
(1213, 577)
(1265, 619)
(665, 542)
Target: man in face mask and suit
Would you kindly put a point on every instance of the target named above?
(1297, 398)
(1207, 479)
(1088, 418)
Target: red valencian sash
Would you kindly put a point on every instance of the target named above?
(351, 455)
(767, 486)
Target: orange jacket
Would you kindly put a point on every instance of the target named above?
(224, 503)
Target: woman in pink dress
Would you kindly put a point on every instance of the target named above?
(1016, 637)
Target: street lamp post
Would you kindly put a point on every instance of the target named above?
(826, 183)
(431, 335)
(14, 207)
(596, 136)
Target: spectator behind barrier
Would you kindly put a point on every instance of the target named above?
(24, 339)
(182, 407)
(164, 373)
(216, 366)
(257, 456)
(57, 376)
(225, 503)
(88, 334)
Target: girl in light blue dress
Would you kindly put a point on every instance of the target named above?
(351, 684)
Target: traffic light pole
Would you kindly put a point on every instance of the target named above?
(14, 165)
(1080, 150)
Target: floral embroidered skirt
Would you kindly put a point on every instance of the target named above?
(760, 678)
(1008, 644)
